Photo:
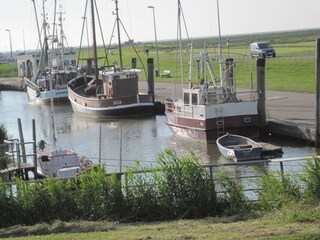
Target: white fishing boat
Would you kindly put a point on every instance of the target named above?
(211, 106)
(113, 91)
(46, 72)
(60, 163)
(239, 148)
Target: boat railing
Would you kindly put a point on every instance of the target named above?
(245, 95)
(179, 108)
(183, 109)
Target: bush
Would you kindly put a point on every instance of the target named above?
(311, 179)
(3, 135)
(278, 189)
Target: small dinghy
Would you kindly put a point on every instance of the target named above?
(238, 148)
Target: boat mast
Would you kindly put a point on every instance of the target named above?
(61, 38)
(191, 65)
(39, 33)
(51, 78)
(220, 49)
(118, 29)
(44, 52)
(180, 41)
(95, 57)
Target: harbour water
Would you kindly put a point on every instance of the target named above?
(110, 141)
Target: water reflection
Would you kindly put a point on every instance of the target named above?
(121, 139)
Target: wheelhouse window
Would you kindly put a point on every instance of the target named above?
(186, 98)
(194, 99)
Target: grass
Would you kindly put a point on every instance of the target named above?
(271, 226)
(8, 70)
(284, 210)
(293, 70)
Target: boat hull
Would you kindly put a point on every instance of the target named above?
(44, 97)
(140, 105)
(207, 129)
(239, 148)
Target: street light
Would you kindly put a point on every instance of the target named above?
(155, 35)
(10, 43)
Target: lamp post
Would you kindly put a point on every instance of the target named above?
(10, 44)
(155, 35)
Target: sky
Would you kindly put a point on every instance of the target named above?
(236, 17)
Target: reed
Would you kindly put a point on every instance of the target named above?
(278, 190)
(8, 207)
(178, 188)
(311, 179)
(232, 195)
(142, 193)
(3, 135)
(185, 188)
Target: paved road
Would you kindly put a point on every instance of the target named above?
(298, 108)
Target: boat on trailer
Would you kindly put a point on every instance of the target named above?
(239, 148)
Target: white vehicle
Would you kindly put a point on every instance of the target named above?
(262, 49)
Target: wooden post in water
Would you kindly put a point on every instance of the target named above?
(23, 147)
(150, 79)
(261, 63)
(317, 91)
(133, 63)
(34, 148)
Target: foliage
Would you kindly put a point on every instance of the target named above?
(233, 196)
(8, 70)
(3, 135)
(178, 188)
(185, 189)
(311, 179)
(277, 190)
(8, 207)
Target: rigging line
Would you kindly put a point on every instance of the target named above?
(83, 25)
(50, 75)
(37, 21)
(184, 21)
(95, 56)
(180, 42)
(103, 42)
(109, 45)
(144, 69)
(119, 37)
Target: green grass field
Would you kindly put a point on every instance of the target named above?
(292, 70)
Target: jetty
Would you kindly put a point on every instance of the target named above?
(12, 84)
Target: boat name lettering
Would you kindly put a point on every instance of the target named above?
(117, 102)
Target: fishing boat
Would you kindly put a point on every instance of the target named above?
(239, 148)
(47, 72)
(60, 163)
(212, 106)
(113, 91)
